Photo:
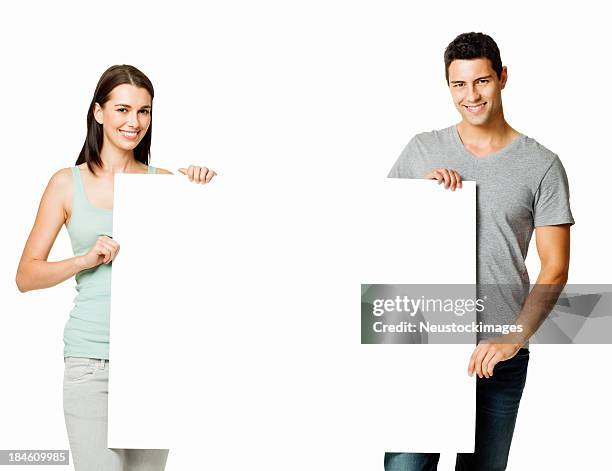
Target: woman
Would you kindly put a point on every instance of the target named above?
(118, 141)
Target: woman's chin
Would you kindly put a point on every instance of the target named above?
(126, 145)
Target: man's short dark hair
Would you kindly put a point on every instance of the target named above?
(473, 46)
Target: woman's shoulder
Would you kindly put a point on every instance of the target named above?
(60, 187)
(61, 178)
(163, 170)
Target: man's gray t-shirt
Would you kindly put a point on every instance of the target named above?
(520, 187)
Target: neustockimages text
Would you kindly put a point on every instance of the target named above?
(411, 306)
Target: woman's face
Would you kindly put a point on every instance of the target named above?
(125, 117)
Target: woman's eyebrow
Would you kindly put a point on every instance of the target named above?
(128, 106)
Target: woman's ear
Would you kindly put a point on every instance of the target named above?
(97, 112)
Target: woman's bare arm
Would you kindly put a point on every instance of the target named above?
(34, 271)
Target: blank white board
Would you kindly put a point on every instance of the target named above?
(235, 321)
(419, 233)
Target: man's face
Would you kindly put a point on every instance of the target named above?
(476, 90)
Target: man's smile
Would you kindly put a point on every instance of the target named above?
(475, 108)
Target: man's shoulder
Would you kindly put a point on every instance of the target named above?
(436, 137)
(536, 152)
(424, 151)
(425, 144)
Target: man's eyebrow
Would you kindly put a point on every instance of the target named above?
(475, 80)
(128, 106)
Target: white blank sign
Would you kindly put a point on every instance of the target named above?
(235, 321)
(421, 234)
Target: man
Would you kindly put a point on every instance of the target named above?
(521, 185)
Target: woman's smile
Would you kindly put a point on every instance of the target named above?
(131, 135)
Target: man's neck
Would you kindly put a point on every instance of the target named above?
(486, 139)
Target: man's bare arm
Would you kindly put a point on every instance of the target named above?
(553, 245)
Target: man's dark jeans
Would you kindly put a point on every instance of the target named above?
(497, 404)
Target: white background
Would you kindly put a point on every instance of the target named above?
(308, 91)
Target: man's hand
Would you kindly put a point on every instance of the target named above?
(451, 178)
(490, 352)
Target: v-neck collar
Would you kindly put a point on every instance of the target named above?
(487, 158)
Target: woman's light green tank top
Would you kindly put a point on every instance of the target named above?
(86, 333)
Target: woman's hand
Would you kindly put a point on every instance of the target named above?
(103, 251)
(198, 174)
